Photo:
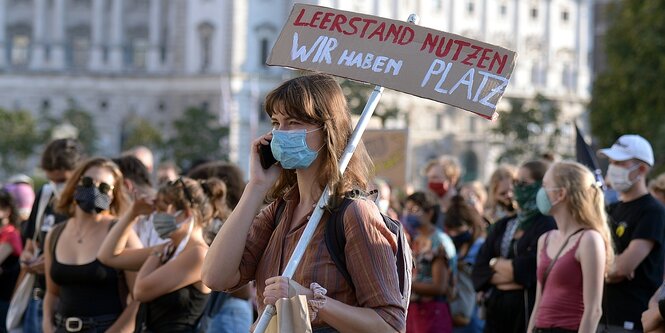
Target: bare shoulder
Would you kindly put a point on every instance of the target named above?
(591, 237)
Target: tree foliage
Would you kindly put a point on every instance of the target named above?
(18, 140)
(198, 135)
(357, 94)
(629, 96)
(529, 129)
(141, 132)
(73, 116)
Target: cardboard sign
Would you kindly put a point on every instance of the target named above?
(440, 66)
(388, 149)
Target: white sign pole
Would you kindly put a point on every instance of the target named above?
(314, 220)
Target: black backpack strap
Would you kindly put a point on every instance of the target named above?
(336, 240)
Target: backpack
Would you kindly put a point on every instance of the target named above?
(336, 241)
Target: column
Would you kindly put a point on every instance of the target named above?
(550, 66)
(37, 54)
(3, 35)
(58, 48)
(584, 35)
(116, 36)
(451, 17)
(154, 62)
(96, 61)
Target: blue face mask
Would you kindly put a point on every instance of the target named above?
(291, 150)
(412, 221)
(543, 201)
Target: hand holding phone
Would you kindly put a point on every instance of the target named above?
(266, 156)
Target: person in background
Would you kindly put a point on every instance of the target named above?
(167, 172)
(311, 127)
(443, 174)
(475, 195)
(500, 203)
(82, 293)
(466, 227)
(573, 259)
(144, 155)
(10, 251)
(657, 188)
(637, 222)
(505, 269)
(384, 197)
(429, 310)
(168, 284)
(20, 187)
(59, 159)
(225, 312)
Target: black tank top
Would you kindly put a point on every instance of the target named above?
(86, 290)
(175, 312)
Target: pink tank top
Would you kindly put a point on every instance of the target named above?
(561, 303)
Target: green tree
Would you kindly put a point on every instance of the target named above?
(628, 97)
(139, 131)
(18, 139)
(529, 129)
(357, 94)
(198, 135)
(81, 120)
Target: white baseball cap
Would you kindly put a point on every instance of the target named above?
(630, 146)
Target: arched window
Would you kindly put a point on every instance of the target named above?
(206, 32)
(19, 40)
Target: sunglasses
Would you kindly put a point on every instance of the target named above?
(185, 190)
(102, 186)
(521, 183)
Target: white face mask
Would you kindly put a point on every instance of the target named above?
(619, 177)
(383, 206)
(57, 188)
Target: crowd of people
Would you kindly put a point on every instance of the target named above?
(122, 245)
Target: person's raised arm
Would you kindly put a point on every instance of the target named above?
(591, 254)
(114, 251)
(222, 262)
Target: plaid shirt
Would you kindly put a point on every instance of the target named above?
(370, 258)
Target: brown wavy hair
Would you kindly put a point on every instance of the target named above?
(205, 199)
(318, 99)
(67, 206)
(585, 200)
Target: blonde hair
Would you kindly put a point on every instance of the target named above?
(585, 200)
(501, 173)
(67, 206)
(658, 184)
(318, 99)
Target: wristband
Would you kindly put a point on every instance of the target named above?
(318, 299)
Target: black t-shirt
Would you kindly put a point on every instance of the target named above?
(643, 218)
(49, 219)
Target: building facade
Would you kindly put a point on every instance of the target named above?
(119, 59)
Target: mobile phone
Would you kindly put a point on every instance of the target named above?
(267, 158)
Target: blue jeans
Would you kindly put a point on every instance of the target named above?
(32, 319)
(476, 325)
(236, 315)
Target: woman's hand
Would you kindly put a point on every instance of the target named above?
(282, 287)
(651, 319)
(143, 204)
(258, 176)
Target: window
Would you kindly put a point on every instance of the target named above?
(439, 121)
(265, 51)
(564, 16)
(139, 52)
(568, 78)
(20, 50)
(438, 5)
(503, 10)
(206, 31)
(79, 51)
(470, 7)
(534, 13)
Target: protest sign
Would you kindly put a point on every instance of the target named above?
(436, 65)
(388, 149)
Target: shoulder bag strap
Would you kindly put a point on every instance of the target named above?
(549, 268)
(44, 198)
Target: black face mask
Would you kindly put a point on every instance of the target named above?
(91, 200)
(462, 238)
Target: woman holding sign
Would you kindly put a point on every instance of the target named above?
(311, 127)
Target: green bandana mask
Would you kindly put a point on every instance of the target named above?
(525, 195)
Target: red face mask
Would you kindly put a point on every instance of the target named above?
(438, 187)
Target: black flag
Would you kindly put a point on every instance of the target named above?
(584, 154)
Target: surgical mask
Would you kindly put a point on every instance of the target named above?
(412, 221)
(439, 188)
(57, 188)
(543, 201)
(619, 177)
(165, 223)
(291, 150)
(383, 206)
(91, 200)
